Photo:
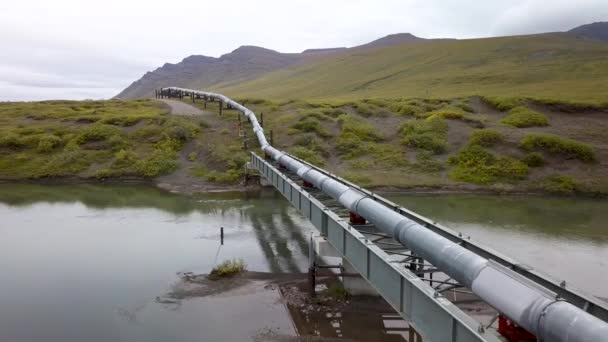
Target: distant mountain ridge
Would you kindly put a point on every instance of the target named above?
(248, 63)
(594, 31)
(243, 64)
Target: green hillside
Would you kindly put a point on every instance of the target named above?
(555, 66)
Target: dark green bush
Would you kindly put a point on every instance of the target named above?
(534, 159)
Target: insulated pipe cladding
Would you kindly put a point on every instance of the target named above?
(531, 306)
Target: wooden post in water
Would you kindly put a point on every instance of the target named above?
(222, 235)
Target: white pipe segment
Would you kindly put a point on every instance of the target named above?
(532, 307)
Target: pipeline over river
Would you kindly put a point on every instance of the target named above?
(530, 305)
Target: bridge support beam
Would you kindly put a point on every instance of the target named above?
(356, 286)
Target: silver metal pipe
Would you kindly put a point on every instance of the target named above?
(531, 306)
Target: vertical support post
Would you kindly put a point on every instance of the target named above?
(205, 102)
(271, 138)
(262, 119)
(221, 107)
(222, 235)
(192, 96)
(311, 268)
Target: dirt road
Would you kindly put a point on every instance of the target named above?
(180, 108)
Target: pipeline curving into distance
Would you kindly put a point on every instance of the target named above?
(531, 306)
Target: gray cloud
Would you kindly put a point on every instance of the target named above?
(84, 49)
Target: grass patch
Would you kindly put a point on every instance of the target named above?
(473, 164)
(485, 137)
(558, 146)
(355, 137)
(367, 109)
(228, 268)
(503, 103)
(428, 134)
(337, 291)
(357, 178)
(521, 117)
(310, 125)
(561, 184)
(308, 155)
(48, 143)
(426, 163)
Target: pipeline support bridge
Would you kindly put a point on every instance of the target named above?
(415, 263)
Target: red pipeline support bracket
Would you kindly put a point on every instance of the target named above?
(512, 332)
(306, 184)
(356, 219)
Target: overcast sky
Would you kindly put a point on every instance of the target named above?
(76, 49)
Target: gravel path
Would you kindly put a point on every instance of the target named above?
(180, 108)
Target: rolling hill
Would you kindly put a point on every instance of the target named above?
(566, 65)
(549, 66)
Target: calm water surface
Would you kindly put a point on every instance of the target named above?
(86, 263)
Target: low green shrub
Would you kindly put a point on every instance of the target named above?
(311, 125)
(561, 184)
(124, 121)
(521, 117)
(503, 103)
(228, 268)
(311, 142)
(485, 137)
(426, 163)
(47, 143)
(429, 134)
(308, 155)
(124, 159)
(65, 163)
(473, 164)
(97, 132)
(318, 114)
(361, 129)
(533, 159)
(337, 291)
(149, 133)
(558, 146)
(464, 106)
(162, 160)
(405, 109)
(11, 140)
(367, 110)
(180, 129)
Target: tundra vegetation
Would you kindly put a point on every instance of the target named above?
(469, 143)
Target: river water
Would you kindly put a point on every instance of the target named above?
(89, 263)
